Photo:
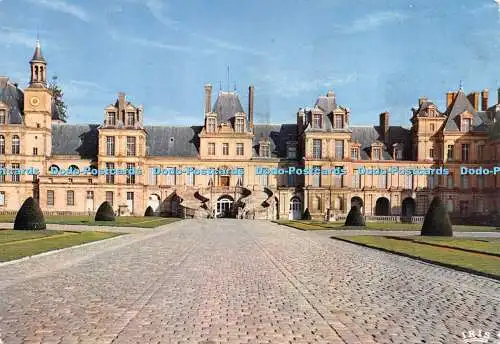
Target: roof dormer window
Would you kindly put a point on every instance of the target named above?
(264, 150)
(211, 124)
(130, 118)
(111, 118)
(239, 125)
(376, 151)
(466, 124)
(3, 117)
(317, 122)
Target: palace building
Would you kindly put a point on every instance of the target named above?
(464, 134)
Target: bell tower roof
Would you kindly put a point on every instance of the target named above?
(37, 55)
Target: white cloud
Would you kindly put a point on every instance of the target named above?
(159, 115)
(10, 36)
(63, 7)
(373, 20)
(81, 89)
(226, 45)
(158, 9)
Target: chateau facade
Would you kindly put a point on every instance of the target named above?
(465, 134)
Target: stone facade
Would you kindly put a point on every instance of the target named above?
(463, 134)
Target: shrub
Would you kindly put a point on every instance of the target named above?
(355, 218)
(306, 215)
(105, 212)
(149, 212)
(437, 222)
(30, 216)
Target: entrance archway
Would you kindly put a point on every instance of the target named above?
(382, 207)
(295, 208)
(408, 207)
(225, 206)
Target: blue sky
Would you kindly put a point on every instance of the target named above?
(376, 55)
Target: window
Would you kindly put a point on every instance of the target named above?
(356, 180)
(264, 150)
(431, 153)
(130, 118)
(110, 145)
(239, 149)
(225, 149)
(130, 176)
(110, 178)
(211, 148)
(109, 197)
(2, 144)
(131, 140)
(398, 154)
(130, 196)
(432, 181)
(16, 177)
(16, 145)
(211, 125)
(464, 181)
(339, 122)
(480, 205)
(451, 182)
(450, 152)
(190, 176)
(316, 149)
(3, 120)
(409, 181)
(111, 118)
(316, 176)
(376, 154)
(90, 194)
(465, 152)
(70, 197)
(382, 181)
(338, 179)
(2, 172)
(171, 175)
(339, 149)
(354, 153)
(264, 179)
(153, 177)
(291, 152)
(466, 124)
(449, 205)
(480, 152)
(480, 181)
(432, 127)
(422, 204)
(2, 197)
(317, 121)
(35, 151)
(464, 208)
(239, 125)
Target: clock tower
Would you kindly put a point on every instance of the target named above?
(38, 108)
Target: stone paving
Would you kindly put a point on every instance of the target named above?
(237, 281)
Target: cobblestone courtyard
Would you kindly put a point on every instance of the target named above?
(236, 281)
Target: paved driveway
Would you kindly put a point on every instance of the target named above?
(237, 281)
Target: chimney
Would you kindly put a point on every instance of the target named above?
(250, 107)
(208, 98)
(474, 99)
(498, 96)
(384, 126)
(449, 98)
(421, 100)
(484, 99)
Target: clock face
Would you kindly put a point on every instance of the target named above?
(35, 101)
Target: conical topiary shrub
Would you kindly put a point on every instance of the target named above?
(149, 212)
(437, 222)
(355, 218)
(105, 213)
(30, 216)
(306, 215)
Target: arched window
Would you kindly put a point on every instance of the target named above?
(16, 145)
(2, 144)
(36, 73)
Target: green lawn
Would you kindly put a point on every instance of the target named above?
(18, 244)
(319, 225)
(452, 257)
(120, 221)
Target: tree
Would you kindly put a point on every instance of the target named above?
(57, 94)
(355, 218)
(437, 222)
(149, 212)
(30, 216)
(105, 212)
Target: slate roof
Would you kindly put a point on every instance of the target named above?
(278, 134)
(459, 105)
(326, 103)
(185, 141)
(366, 135)
(13, 97)
(75, 139)
(226, 106)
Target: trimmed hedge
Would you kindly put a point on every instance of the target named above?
(29, 216)
(355, 218)
(149, 212)
(306, 215)
(105, 212)
(437, 221)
